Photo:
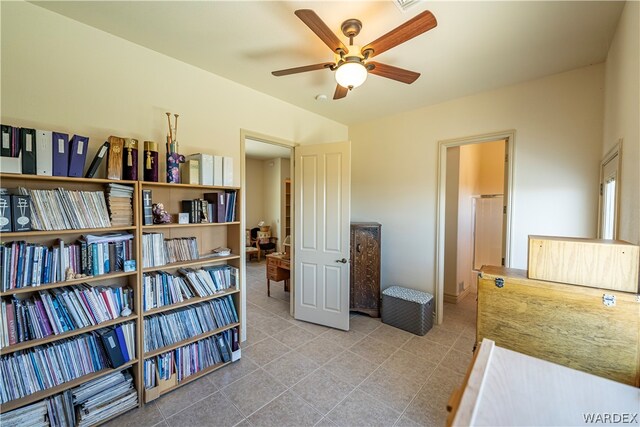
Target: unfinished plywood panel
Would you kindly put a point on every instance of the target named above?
(565, 324)
(506, 388)
(606, 264)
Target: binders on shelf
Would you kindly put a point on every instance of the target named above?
(44, 152)
(60, 154)
(97, 160)
(29, 147)
(78, 155)
(5, 148)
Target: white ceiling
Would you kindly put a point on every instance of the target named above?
(477, 45)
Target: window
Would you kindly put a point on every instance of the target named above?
(609, 190)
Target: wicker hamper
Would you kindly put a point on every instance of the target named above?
(407, 309)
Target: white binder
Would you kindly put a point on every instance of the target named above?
(217, 170)
(44, 152)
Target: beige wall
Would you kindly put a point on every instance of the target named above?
(254, 194)
(271, 188)
(622, 115)
(558, 123)
(59, 74)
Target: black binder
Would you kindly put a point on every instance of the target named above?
(111, 345)
(28, 144)
(95, 163)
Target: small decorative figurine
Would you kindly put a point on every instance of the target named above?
(70, 275)
(160, 215)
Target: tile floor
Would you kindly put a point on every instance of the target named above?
(296, 374)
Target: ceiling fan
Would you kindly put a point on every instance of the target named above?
(353, 64)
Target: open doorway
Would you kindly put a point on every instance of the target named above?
(474, 219)
(267, 219)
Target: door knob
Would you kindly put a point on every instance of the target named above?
(343, 260)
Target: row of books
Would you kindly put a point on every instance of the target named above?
(161, 288)
(43, 367)
(25, 264)
(61, 209)
(158, 251)
(178, 325)
(190, 359)
(56, 311)
(119, 199)
(88, 404)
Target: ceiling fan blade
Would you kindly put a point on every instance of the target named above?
(410, 29)
(302, 69)
(395, 73)
(340, 92)
(316, 25)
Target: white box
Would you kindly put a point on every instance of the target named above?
(206, 167)
(227, 171)
(217, 170)
(11, 164)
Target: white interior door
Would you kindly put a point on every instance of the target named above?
(322, 213)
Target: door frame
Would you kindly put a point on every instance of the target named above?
(443, 145)
(267, 139)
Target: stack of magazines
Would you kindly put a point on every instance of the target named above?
(119, 198)
(88, 404)
(104, 397)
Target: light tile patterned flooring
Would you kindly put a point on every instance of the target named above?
(297, 374)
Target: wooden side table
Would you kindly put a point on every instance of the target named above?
(278, 268)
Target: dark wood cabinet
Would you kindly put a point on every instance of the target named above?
(365, 268)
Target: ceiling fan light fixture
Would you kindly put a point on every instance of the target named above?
(351, 74)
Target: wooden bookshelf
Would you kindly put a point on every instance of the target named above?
(51, 338)
(209, 236)
(130, 279)
(190, 301)
(32, 398)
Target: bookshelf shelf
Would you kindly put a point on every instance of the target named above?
(157, 227)
(189, 302)
(195, 376)
(46, 340)
(90, 279)
(63, 179)
(17, 403)
(189, 341)
(192, 263)
(42, 233)
(186, 186)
